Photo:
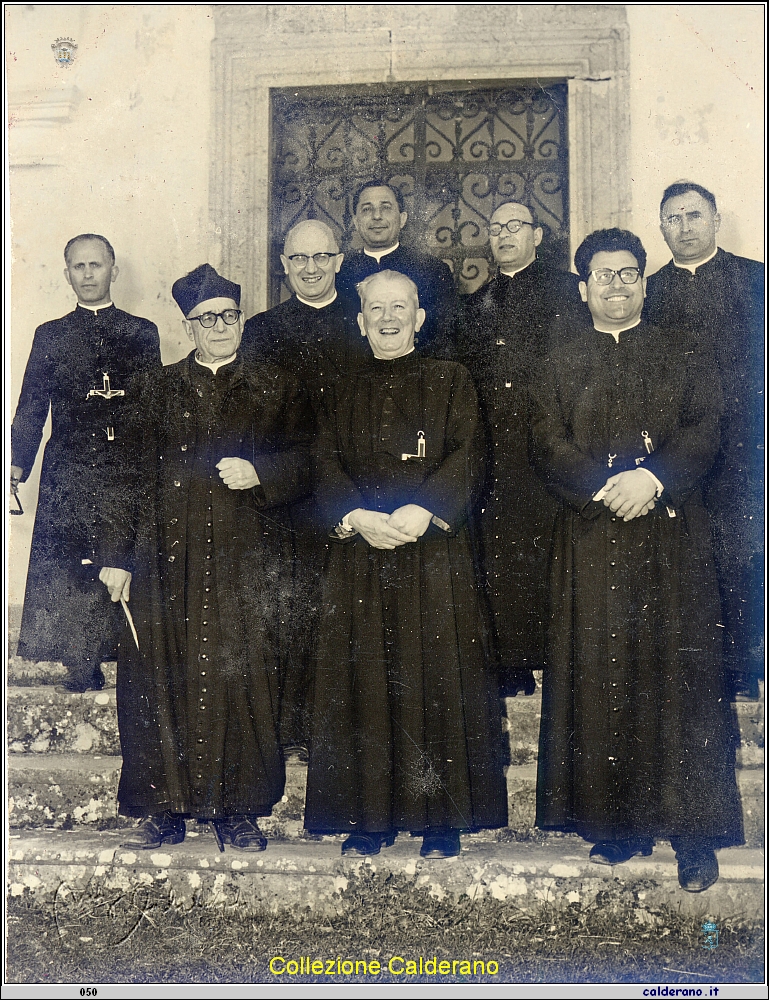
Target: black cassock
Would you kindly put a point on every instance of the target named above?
(318, 346)
(636, 736)
(722, 303)
(406, 731)
(505, 332)
(67, 612)
(198, 702)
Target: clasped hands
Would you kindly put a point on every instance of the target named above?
(388, 531)
(629, 494)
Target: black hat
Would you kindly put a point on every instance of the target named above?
(200, 285)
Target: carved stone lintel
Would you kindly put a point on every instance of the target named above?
(265, 46)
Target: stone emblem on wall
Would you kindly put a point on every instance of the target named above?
(64, 51)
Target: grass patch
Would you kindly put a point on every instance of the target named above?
(140, 936)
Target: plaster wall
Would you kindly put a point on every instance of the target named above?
(697, 113)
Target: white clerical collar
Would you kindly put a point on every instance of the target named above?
(399, 356)
(616, 333)
(316, 305)
(518, 270)
(379, 254)
(214, 366)
(94, 309)
(693, 267)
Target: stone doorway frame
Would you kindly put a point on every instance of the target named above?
(265, 46)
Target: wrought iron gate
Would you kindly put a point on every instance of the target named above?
(456, 151)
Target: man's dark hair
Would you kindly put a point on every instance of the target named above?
(610, 241)
(684, 187)
(377, 184)
(88, 236)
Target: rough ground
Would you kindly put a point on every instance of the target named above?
(98, 936)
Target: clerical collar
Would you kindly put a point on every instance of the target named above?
(616, 333)
(316, 305)
(379, 254)
(214, 366)
(396, 359)
(692, 268)
(94, 309)
(511, 274)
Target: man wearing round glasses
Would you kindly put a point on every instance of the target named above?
(204, 562)
(635, 741)
(505, 331)
(314, 335)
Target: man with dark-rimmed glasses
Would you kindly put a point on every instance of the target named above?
(205, 566)
(314, 334)
(635, 741)
(504, 333)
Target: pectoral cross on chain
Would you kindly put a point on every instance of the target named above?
(107, 392)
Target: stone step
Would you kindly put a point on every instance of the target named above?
(32, 672)
(52, 720)
(63, 791)
(46, 719)
(56, 865)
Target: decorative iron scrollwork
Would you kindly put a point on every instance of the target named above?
(455, 151)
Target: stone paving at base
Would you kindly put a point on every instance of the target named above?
(64, 767)
(314, 876)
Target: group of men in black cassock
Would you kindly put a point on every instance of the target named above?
(345, 526)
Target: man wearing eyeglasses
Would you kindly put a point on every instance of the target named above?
(635, 741)
(505, 331)
(224, 448)
(314, 335)
(720, 297)
(379, 216)
(83, 367)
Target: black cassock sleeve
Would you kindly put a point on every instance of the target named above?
(34, 402)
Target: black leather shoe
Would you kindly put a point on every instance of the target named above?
(154, 831)
(366, 844)
(242, 832)
(697, 868)
(78, 684)
(440, 844)
(615, 852)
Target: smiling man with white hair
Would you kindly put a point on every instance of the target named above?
(406, 733)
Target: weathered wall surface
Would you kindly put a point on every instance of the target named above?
(122, 141)
(118, 144)
(697, 112)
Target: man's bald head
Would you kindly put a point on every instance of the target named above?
(311, 259)
(514, 251)
(310, 229)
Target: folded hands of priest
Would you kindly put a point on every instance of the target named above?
(388, 531)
